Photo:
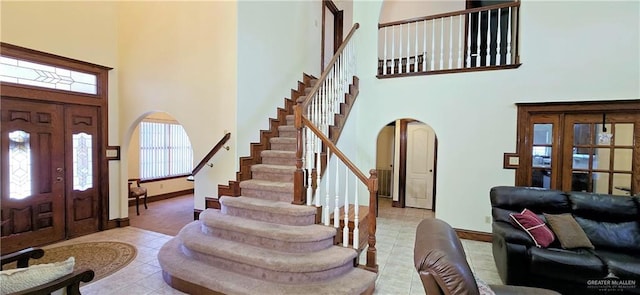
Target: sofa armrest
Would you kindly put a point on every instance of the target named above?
(70, 282)
(511, 234)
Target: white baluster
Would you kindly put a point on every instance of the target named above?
(509, 38)
(498, 39)
(450, 42)
(336, 210)
(433, 43)
(318, 172)
(408, 68)
(327, 176)
(469, 45)
(478, 41)
(384, 60)
(442, 43)
(415, 59)
(393, 49)
(460, 42)
(400, 53)
(424, 46)
(345, 229)
(356, 218)
(488, 62)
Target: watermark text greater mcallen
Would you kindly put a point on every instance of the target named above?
(612, 284)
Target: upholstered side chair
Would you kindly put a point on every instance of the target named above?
(136, 192)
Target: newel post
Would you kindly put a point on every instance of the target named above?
(372, 185)
(299, 193)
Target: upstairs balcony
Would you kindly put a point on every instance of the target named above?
(478, 39)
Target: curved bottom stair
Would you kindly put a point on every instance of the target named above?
(237, 251)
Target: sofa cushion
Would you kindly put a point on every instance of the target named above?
(604, 208)
(534, 226)
(568, 231)
(623, 236)
(621, 265)
(516, 199)
(560, 264)
(19, 279)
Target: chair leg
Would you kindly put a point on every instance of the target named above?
(145, 201)
(137, 203)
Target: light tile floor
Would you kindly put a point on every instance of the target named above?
(395, 238)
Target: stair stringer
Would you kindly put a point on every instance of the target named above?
(233, 187)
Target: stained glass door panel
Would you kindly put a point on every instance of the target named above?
(32, 177)
(81, 126)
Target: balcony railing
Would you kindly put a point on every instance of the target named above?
(484, 38)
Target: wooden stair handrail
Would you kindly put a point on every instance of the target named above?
(211, 153)
(329, 66)
(334, 149)
(453, 13)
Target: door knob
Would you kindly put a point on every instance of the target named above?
(58, 179)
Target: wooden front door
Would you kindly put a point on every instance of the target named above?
(50, 178)
(33, 177)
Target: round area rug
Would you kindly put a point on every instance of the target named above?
(104, 258)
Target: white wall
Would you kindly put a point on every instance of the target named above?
(181, 58)
(591, 57)
(84, 31)
(277, 42)
(395, 10)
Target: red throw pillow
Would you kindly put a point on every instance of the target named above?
(528, 221)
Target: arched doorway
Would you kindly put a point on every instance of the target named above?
(406, 161)
(160, 154)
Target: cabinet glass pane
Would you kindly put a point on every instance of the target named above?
(541, 156)
(601, 159)
(541, 178)
(622, 159)
(580, 181)
(601, 183)
(542, 134)
(19, 165)
(582, 134)
(622, 183)
(603, 137)
(581, 161)
(624, 134)
(82, 162)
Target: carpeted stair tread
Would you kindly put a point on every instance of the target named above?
(308, 233)
(288, 128)
(278, 154)
(333, 257)
(268, 210)
(273, 172)
(282, 208)
(273, 168)
(287, 140)
(266, 185)
(178, 265)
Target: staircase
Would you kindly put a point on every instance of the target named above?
(258, 242)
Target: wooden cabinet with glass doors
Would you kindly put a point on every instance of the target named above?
(590, 147)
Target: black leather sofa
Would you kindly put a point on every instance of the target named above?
(612, 224)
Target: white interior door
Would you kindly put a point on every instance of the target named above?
(420, 161)
(328, 36)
